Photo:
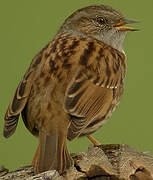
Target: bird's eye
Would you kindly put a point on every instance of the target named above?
(101, 20)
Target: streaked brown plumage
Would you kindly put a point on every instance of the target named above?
(72, 85)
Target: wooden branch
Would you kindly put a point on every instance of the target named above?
(105, 162)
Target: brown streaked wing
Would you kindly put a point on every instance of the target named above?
(90, 93)
(85, 101)
(16, 106)
(105, 69)
(20, 98)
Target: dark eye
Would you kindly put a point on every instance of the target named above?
(101, 20)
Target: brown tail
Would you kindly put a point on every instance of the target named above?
(52, 154)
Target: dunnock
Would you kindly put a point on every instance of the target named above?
(72, 85)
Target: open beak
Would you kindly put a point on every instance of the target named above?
(120, 26)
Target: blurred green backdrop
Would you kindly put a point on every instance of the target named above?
(26, 26)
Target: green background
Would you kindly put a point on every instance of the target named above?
(26, 26)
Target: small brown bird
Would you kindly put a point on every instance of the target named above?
(72, 85)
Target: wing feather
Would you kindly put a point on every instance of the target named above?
(90, 93)
(86, 104)
(16, 106)
(20, 99)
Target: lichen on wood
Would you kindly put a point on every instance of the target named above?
(105, 162)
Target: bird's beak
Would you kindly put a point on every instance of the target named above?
(120, 26)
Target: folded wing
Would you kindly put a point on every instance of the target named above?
(90, 93)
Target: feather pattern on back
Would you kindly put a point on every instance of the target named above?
(90, 93)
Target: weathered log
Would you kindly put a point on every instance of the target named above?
(105, 162)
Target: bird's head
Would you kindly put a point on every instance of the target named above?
(100, 22)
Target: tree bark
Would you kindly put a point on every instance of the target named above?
(105, 162)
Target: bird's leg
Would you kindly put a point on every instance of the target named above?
(94, 141)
